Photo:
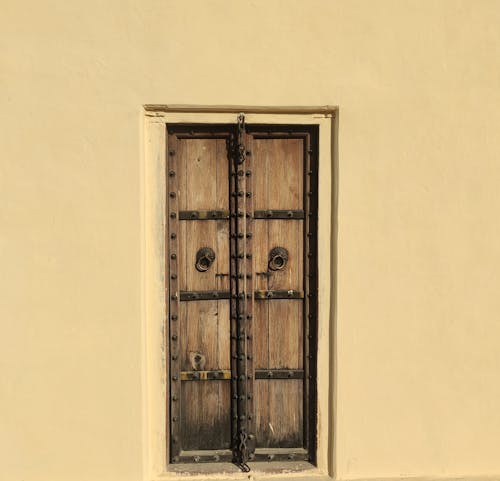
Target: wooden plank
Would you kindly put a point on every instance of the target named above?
(279, 186)
(205, 336)
(205, 420)
(283, 427)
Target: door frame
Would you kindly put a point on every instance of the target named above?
(155, 360)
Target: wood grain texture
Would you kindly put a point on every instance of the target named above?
(205, 419)
(280, 426)
(273, 175)
(204, 325)
(278, 184)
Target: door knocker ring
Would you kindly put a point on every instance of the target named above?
(278, 257)
(204, 259)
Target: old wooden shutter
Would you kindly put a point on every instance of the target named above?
(242, 287)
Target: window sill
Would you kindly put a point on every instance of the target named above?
(259, 471)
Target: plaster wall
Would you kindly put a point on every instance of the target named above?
(417, 305)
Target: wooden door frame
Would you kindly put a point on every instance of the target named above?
(155, 425)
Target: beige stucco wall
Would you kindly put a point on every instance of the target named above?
(417, 327)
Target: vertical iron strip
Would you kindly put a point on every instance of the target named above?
(239, 300)
(172, 265)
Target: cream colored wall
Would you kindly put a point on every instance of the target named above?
(418, 256)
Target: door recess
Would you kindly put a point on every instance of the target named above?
(242, 292)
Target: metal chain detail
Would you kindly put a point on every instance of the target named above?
(240, 443)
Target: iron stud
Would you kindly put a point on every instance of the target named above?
(172, 194)
(171, 173)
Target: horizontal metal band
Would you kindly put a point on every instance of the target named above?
(279, 294)
(278, 214)
(224, 374)
(204, 456)
(279, 374)
(203, 214)
(204, 295)
(205, 375)
(261, 454)
(280, 454)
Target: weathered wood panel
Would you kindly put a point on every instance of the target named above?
(282, 425)
(271, 178)
(204, 325)
(205, 419)
(278, 184)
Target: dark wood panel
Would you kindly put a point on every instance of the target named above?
(205, 420)
(279, 413)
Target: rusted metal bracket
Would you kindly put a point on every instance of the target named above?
(205, 375)
(279, 374)
(278, 294)
(278, 214)
(203, 214)
(204, 295)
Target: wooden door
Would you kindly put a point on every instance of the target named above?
(241, 266)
